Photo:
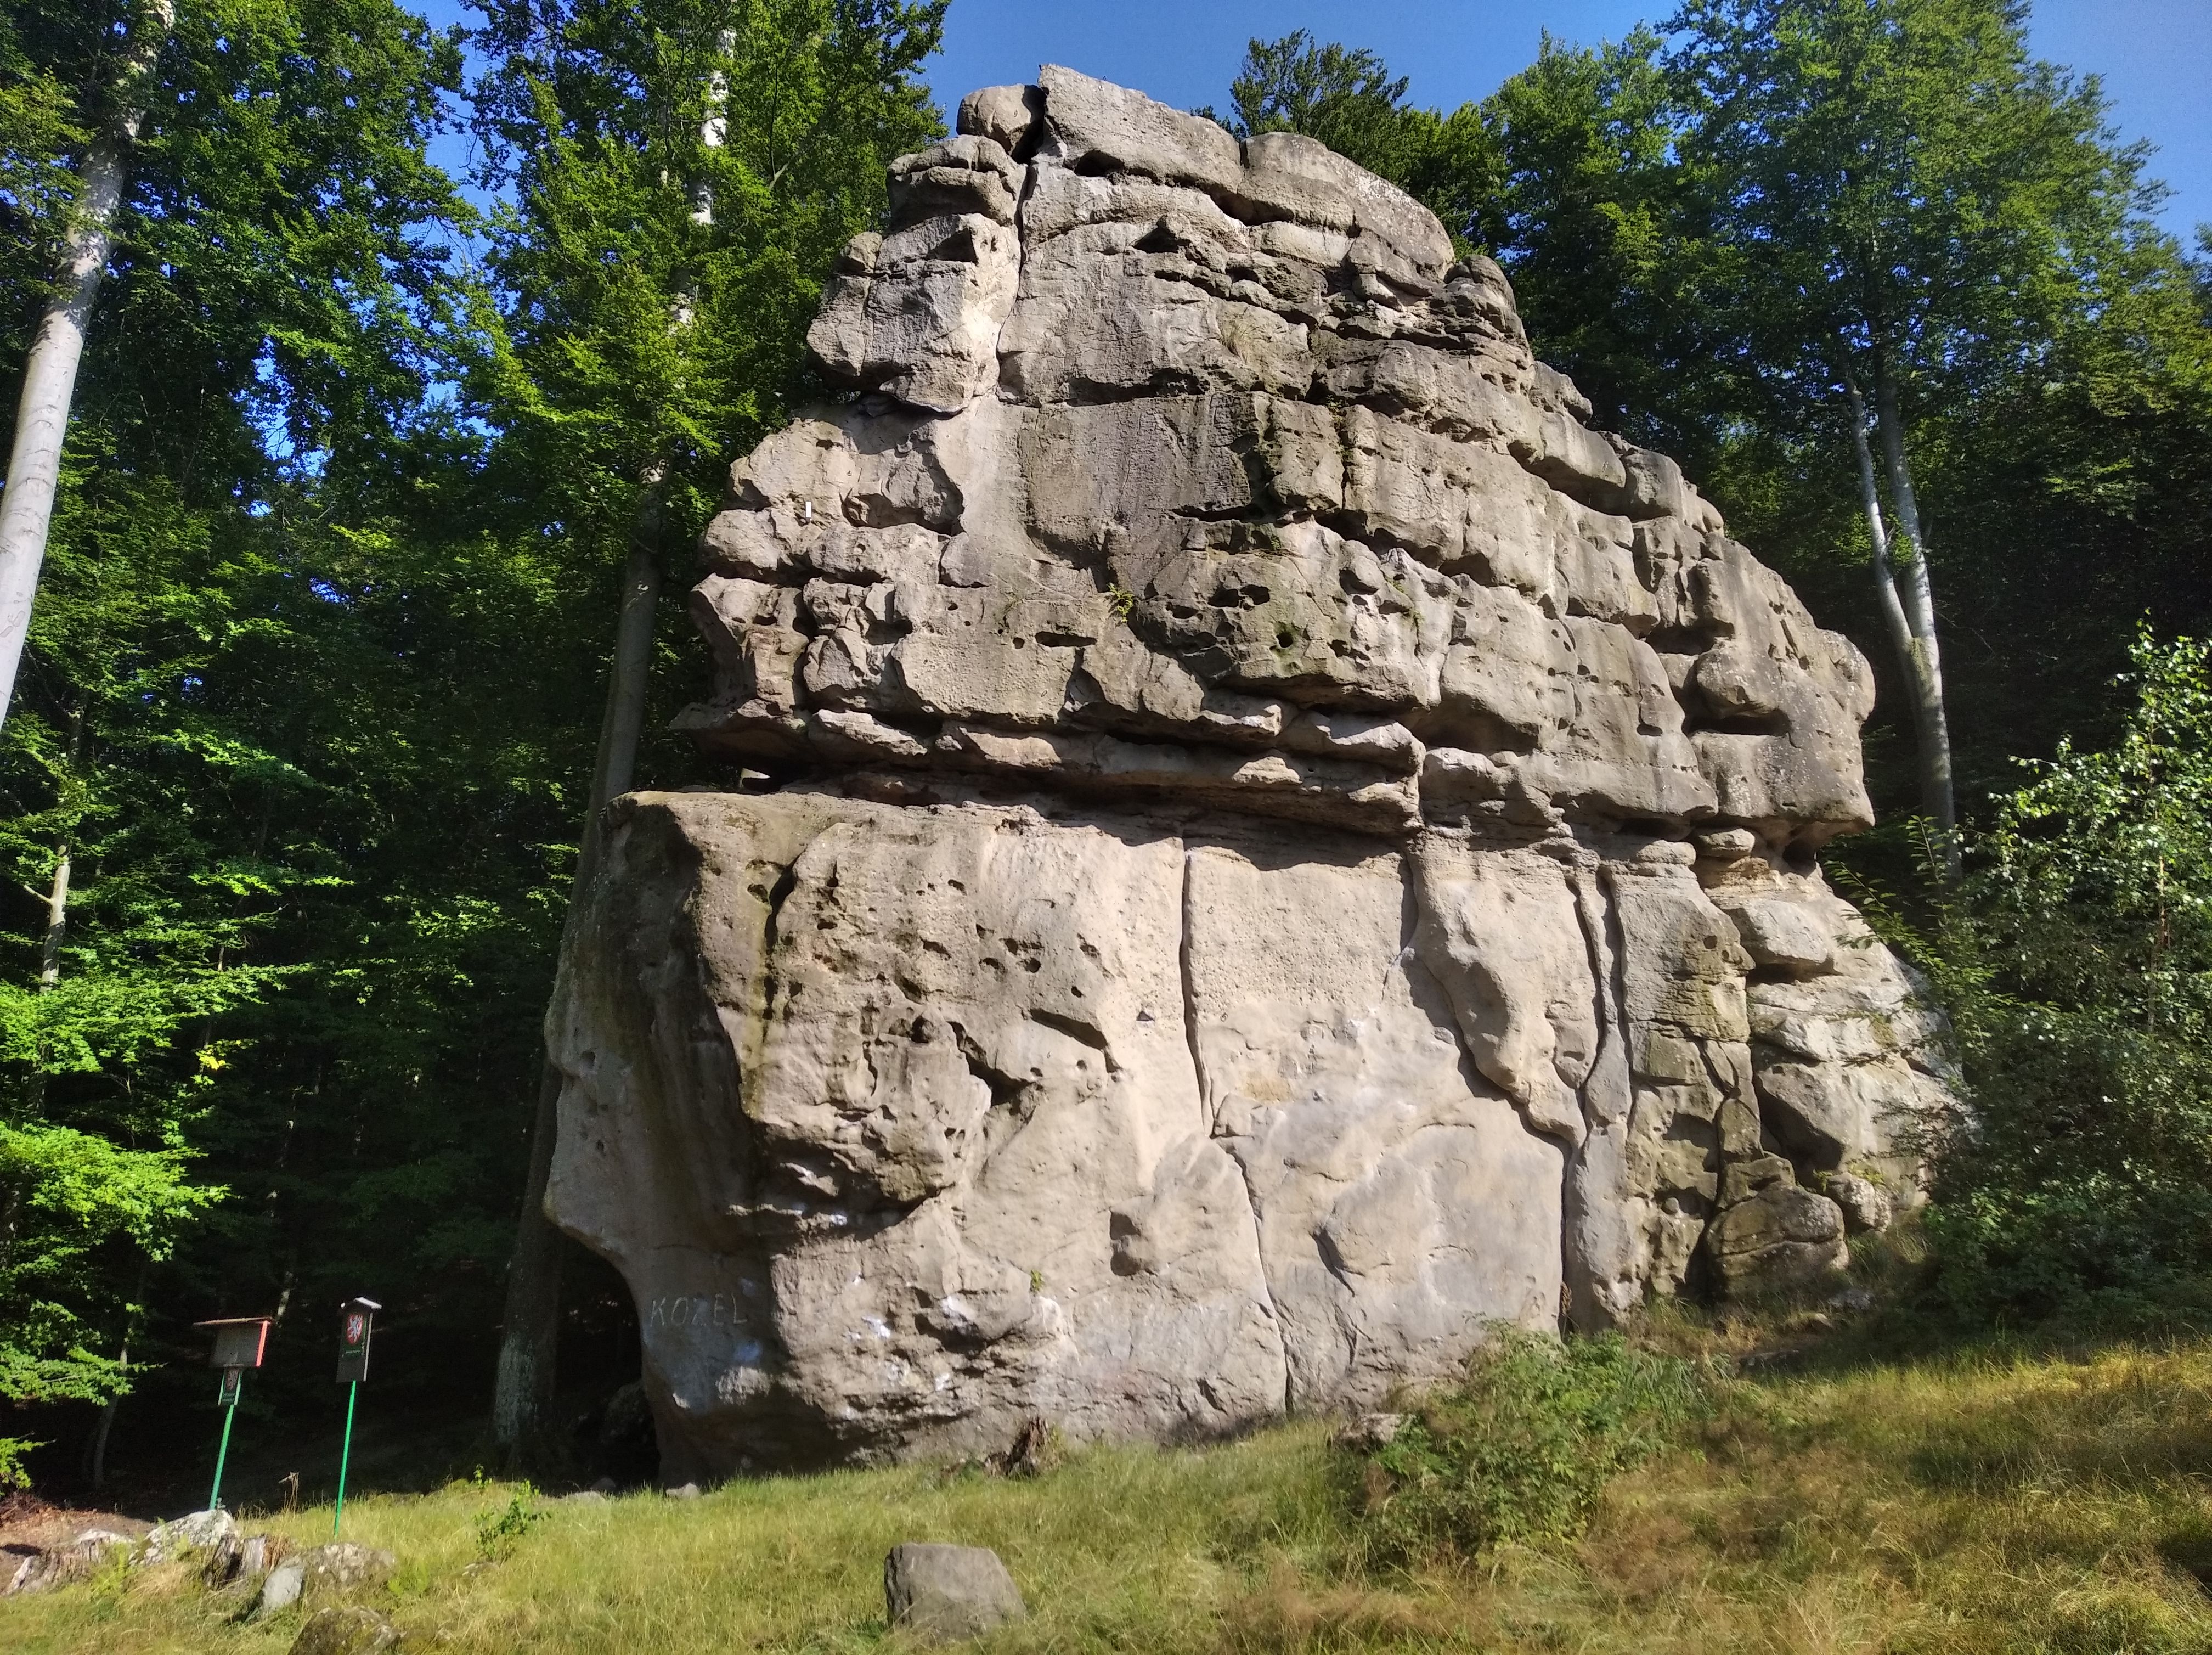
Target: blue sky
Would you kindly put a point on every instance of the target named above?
(2155, 56)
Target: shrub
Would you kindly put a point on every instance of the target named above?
(1520, 1447)
(2077, 961)
(500, 1532)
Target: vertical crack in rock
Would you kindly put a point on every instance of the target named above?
(1206, 1114)
(1206, 1121)
(1609, 1065)
(1606, 1067)
(1598, 1251)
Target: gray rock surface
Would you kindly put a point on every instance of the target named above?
(327, 1571)
(196, 1531)
(1282, 846)
(342, 1566)
(946, 1594)
(280, 1588)
(48, 1568)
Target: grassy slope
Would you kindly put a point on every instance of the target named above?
(1966, 1505)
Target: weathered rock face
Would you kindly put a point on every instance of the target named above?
(1269, 845)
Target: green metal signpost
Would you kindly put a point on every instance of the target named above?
(357, 1320)
(240, 1344)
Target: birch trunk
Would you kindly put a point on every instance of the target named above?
(531, 1327)
(34, 460)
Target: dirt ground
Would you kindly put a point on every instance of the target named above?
(29, 1524)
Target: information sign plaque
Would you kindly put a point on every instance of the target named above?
(241, 1341)
(356, 1322)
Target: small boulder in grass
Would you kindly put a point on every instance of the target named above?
(197, 1532)
(280, 1588)
(328, 1571)
(1369, 1431)
(343, 1566)
(44, 1570)
(944, 1594)
(352, 1630)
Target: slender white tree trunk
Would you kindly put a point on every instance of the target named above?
(1906, 598)
(529, 1334)
(58, 896)
(34, 460)
(1884, 578)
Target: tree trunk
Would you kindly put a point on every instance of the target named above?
(122, 1360)
(50, 371)
(1931, 722)
(1906, 598)
(50, 950)
(530, 1329)
(57, 897)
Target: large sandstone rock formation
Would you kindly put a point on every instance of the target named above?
(1267, 844)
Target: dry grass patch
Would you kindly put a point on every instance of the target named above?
(1963, 1507)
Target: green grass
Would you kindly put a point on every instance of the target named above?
(1967, 1504)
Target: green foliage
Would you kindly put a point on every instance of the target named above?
(314, 670)
(683, 174)
(1347, 99)
(1519, 1448)
(2078, 960)
(500, 1529)
(264, 355)
(1602, 220)
(1897, 179)
(67, 1199)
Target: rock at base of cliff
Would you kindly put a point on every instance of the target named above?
(944, 1594)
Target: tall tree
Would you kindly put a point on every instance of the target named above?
(684, 173)
(1605, 225)
(271, 316)
(122, 58)
(1913, 201)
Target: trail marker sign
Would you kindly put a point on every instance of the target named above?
(240, 1340)
(356, 1322)
(240, 1344)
